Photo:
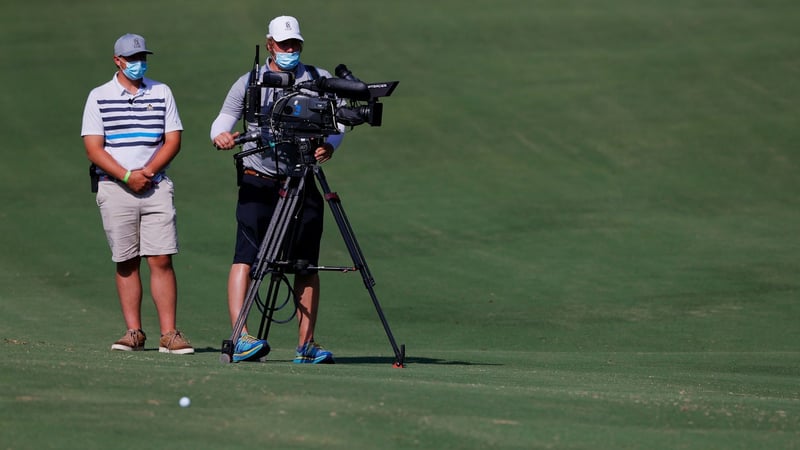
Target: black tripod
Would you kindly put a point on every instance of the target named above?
(270, 259)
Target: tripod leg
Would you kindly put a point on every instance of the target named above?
(269, 306)
(269, 251)
(358, 260)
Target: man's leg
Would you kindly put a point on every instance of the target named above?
(238, 280)
(164, 289)
(129, 289)
(306, 288)
(247, 347)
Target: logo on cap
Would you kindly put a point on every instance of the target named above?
(288, 26)
(137, 44)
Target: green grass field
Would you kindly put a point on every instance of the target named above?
(583, 219)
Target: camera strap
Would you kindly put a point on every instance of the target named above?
(312, 71)
(239, 163)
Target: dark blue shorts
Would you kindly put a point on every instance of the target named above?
(258, 198)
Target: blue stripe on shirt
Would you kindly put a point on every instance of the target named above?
(133, 135)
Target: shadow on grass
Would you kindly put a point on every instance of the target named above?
(408, 360)
(207, 350)
(381, 359)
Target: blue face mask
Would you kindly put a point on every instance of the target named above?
(287, 61)
(135, 70)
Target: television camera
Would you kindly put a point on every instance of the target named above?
(298, 113)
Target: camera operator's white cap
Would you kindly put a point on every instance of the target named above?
(282, 28)
(130, 44)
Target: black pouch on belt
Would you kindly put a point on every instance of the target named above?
(93, 177)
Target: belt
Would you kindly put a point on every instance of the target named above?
(104, 177)
(257, 174)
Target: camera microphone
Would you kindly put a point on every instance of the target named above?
(343, 72)
(355, 90)
(278, 79)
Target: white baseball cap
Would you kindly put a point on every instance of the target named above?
(282, 28)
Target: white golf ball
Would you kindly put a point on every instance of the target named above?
(184, 402)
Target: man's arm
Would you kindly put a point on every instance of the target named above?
(95, 151)
(221, 134)
(97, 154)
(232, 109)
(164, 155)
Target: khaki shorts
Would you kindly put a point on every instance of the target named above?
(138, 225)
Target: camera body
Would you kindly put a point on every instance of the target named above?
(298, 114)
(349, 102)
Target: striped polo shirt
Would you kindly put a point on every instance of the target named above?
(133, 124)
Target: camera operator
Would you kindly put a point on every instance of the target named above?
(261, 178)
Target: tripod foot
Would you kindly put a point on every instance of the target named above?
(226, 357)
(399, 363)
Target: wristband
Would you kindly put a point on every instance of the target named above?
(125, 178)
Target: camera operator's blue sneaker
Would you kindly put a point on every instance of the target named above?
(249, 348)
(312, 353)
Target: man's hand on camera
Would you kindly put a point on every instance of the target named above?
(226, 140)
(323, 152)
